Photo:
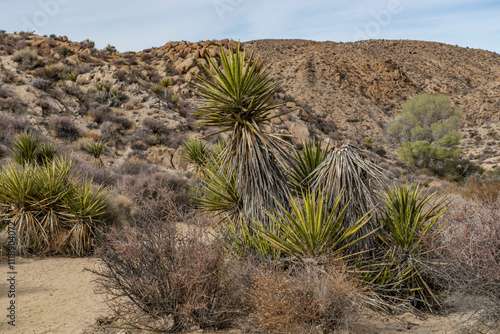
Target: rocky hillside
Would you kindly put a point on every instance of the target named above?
(70, 91)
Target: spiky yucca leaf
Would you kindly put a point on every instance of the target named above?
(238, 93)
(302, 172)
(25, 148)
(405, 270)
(195, 154)
(217, 189)
(237, 100)
(312, 230)
(45, 154)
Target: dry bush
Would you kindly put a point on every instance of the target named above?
(158, 279)
(301, 301)
(11, 126)
(156, 185)
(471, 245)
(136, 166)
(64, 128)
(484, 191)
(8, 103)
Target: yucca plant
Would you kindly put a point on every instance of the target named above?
(405, 270)
(158, 90)
(236, 100)
(302, 172)
(95, 148)
(72, 76)
(44, 203)
(312, 230)
(166, 82)
(195, 154)
(87, 206)
(347, 172)
(25, 148)
(45, 154)
(216, 191)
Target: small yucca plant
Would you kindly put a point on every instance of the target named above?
(44, 203)
(45, 154)
(166, 82)
(195, 154)
(405, 270)
(95, 148)
(302, 172)
(158, 90)
(25, 148)
(72, 76)
(312, 230)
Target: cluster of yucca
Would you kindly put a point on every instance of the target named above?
(52, 211)
(310, 206)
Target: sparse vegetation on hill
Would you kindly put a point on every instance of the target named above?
(297, 229)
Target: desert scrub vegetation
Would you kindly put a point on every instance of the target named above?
(426, 133)
(52, 211)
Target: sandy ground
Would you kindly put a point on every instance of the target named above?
(55, 295)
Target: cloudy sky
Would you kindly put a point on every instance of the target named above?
(137, 25)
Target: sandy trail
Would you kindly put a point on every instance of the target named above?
(53, 295)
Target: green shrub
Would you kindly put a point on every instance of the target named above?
(26, 58)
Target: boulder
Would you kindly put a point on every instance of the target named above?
(178, 161)
(186, 65)
(161, 156)
(298, 130)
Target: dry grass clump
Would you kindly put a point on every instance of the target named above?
(309, 299)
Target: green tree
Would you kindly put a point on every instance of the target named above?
(426, 131)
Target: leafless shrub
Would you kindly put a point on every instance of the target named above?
(8, 103)
(471, 245)
(156, 278)
(136, 166)
(41, 84)
(11, 126)
(156, 185)
(301, 301)
(64, 128)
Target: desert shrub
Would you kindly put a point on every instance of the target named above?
(64, 51)
(426, 132)
(51, 211)
(74, 91)
(64, 128)
(122, 122)
(483, 191)
(471, 246)
(53, 72)
(100, 114)
(99, 176)
(26, 58)
(8, 103)
(136, 166)
(155, 185)
(301, 300)
(11, 126)
(159, 279)
(41, 84)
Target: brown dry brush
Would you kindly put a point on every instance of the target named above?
(157, 278)
(301, 300)
(471, 246)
